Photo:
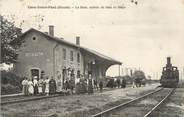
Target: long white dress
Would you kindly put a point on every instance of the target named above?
(59, 85)
(77, 80)
(30, 87)
(35, 82)
(47, 86)
(40, 83)
(25, 87)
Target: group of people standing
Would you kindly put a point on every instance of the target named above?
(40, 86)
(98, 85)
(69, 85)
(87, 85)
(94, 84)
(46, 85)
(113, 83)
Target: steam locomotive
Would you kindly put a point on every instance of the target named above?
(170, 75)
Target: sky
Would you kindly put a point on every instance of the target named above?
(140, 36)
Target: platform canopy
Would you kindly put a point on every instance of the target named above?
(100, 57)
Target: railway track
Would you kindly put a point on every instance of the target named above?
(26, 99)
(137, 107)
(21, 98)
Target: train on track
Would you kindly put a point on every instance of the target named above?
(170, 75)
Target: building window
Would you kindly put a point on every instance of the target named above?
(71, 55)
(78, 57)
(64, 54)
(34, 38)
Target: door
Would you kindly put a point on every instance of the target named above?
(35, 72)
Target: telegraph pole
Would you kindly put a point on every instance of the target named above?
(182, 75)
(157, 75)
(183, 72)
(119, 70)
(154, 75)
(126, 69)
(122, 71)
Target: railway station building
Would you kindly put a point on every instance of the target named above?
(42, 52)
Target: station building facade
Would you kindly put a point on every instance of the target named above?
(44, 53)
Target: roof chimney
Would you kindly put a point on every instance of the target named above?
(51, 30)
(78, 40)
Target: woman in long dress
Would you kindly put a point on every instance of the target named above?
(40, 83)
(25, 86)
(59, 84)
(47, 86)
(52, 86)
(30, 87)
(90, 85)
(43, 86)
(35, 84)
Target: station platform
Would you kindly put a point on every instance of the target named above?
(11, 95)
(21, 94)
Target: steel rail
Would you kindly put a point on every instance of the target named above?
(162, 101)
(30, 99)
(124, 104)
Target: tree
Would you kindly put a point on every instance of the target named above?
(10, 41)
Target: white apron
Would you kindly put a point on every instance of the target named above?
(30, 87)
(47, 86)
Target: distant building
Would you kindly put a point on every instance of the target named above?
(59, 58)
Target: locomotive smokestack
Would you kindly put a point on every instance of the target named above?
(169, 65)
(168, 60)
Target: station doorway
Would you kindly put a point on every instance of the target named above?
(35, 72)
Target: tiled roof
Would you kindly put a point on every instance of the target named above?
(87, 50)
